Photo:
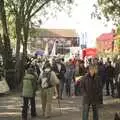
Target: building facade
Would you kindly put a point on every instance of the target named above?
(64, 39)
(104, 43)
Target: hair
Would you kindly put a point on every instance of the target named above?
(91, 66)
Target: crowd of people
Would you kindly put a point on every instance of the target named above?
(53, 77)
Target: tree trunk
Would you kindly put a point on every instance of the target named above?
(18, 43)
(1, 45)
(7, 48)
(24, 56)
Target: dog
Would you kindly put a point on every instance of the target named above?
(117, 116)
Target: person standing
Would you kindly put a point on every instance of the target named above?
(110, 74)
(28, 92)
(61, 76)
(48, 81)
(91, 88)
(69, 77)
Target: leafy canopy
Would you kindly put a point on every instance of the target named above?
(111, 9)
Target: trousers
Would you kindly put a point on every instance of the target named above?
(46, 99)
(85, 114)
(26, 101)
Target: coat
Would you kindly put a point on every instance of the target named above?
(91, 89)
(69, 72)
(29, 85)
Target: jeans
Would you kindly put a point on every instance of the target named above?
(85, 115)
(68, 87)
(110, 81)
(25, 106)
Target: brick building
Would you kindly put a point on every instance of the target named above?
(104, 43)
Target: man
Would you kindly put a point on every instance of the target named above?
(91, 88)
(48, 81)
(110, 74)
(62, 69)
(69, 77)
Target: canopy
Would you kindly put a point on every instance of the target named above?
(39, 52)
(89, 52)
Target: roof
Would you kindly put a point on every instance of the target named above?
(57, 33)
(106, 37)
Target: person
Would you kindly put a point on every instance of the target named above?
(28, 92)
(110, 73)
(69, 77)
(101, 71)
(47, 93)
(117, 76)
(91, 88)
(61, 69)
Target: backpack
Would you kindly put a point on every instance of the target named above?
(45, 80)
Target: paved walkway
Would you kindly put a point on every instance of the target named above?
(71, 108)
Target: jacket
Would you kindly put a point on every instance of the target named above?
(29, 85)
(69, 72)
(91, 89)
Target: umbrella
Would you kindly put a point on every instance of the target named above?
(39, 52)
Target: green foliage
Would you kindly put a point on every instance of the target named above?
(26, 9)
(118, 30)
(111, 9)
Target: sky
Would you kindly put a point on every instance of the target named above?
(81, 21)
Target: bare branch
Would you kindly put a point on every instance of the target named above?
(12, 6)
(39, 8)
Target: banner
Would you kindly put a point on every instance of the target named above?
(46, 53)
(3, 86)
(89, 52)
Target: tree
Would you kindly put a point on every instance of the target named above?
(6, 50)
(111, 10)
(23, 11)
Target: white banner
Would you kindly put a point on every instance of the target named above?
(46, 53)
(3, 86)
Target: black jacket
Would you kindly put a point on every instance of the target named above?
(91, 89)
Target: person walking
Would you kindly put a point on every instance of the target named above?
(48, 80)
(28, 92)
(91, 88)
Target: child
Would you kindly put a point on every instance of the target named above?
(29, 90)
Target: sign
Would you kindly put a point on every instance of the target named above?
(3, 86)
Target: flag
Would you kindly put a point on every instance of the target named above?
(46, 53)
(53, 53)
